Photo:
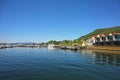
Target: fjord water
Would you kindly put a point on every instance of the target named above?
(44, 64)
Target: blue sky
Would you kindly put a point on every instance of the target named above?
(44, 20)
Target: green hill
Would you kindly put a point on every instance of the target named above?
(105, 31)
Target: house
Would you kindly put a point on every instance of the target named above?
(113, 39)
(89, 42)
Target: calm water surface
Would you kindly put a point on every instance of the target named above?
(44, 64)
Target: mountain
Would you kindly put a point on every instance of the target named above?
(105, 31)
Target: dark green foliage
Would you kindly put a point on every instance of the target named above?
(54, 42)
(105, 31)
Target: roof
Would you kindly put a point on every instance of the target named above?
(100, 35)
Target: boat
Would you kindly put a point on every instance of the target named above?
(51, 46)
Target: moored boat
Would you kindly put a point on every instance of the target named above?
(51, 46)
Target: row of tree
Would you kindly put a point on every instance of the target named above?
(65, 42)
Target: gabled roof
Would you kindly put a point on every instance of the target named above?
(100, 35)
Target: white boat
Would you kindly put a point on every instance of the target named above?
(51, 46)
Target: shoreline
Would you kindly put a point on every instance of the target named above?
(75, 48)
(107, 48)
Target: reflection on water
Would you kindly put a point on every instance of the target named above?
(44, 64)
(103, 57)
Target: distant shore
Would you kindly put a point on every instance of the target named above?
(107, 48)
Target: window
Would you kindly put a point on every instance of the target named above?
(103, 39)
(117, 37)
(98, 39)
(110, 38)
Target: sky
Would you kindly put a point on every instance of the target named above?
(44, 20)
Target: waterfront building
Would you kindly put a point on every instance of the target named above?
(113, 39)
(89, 42)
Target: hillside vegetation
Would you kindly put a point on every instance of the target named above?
(105, 31)
(79, 41)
